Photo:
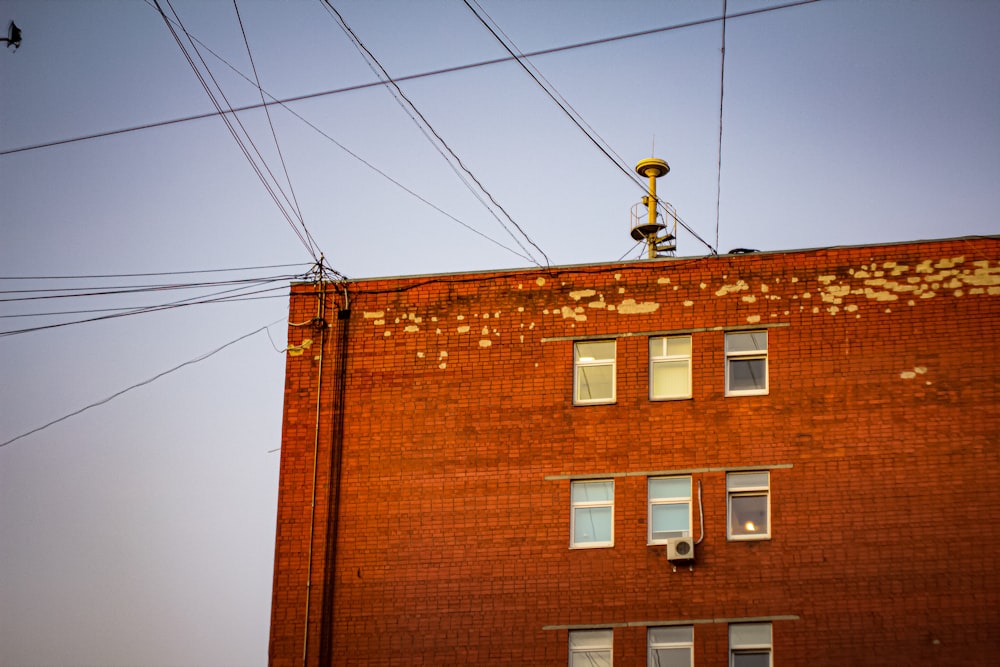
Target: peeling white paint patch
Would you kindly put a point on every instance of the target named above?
(520, 309)
(531, 326)
(434, 319)
(437, 331)
(702, 286)
(833, 310)
(826, 280)
(738, 286)
(386, 333)
(621, 290)
(750, 298)
(443, 365)
(573, 314)
(907, 375)
(663, 281)
(630, 307)
(540, 281)
(597, 304)
(618, 276)
(412, 328)
(688, 304)
(485, 331)
(370, 315)
(579, 294)
(522, 338)
(486, 342)
(443, 354)
(420, 355)
(379, 322)
(397, 320)
(460, 317)
(753, 319)
(463, 329)
(851, 308)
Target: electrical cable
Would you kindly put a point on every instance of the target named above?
(275, 100)
(138, 384)
(573, 116)
(722, 91)
(76, 292)
(424, 124)
(410, 77)
(219, 297)
(162, 273)
(230, 118)
(270, 123)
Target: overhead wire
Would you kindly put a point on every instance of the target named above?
(722, 92)
(455, 162)
(567, 109)
(351, 153)
(404, 78)
(232, 121)
(232, 294)
(160, 273)
(270, 123)
(143, 383)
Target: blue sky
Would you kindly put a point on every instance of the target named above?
(141, 532)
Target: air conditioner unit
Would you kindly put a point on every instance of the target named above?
(680, 548)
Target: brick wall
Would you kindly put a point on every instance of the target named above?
(447, 440)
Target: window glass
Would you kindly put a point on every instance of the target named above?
(594, 371)
(748, 515)
(748, 499)
(746, 342)
(590, 648)
(670, 646)
(747, 374)
(669, 508)
(592, 521)
(600, 350)
(752, 659)
(595, 382)
(670, 367)
(746, 363)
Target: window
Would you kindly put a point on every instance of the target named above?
(669, 508)
(590, 648)
(594, 372)
(592, 516)
(671, 646)
(750, 645)
(746, 363)
(749, 505)
(670, 367)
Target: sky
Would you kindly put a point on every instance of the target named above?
(140, 531)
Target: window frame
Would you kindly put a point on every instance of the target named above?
(667, 500)
(592, 363)
(747, 490)
(747, 355)
(743, 647)
(651, 645)
(664, 357)
(590, 504)
(608, 647)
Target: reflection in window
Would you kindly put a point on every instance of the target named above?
(592, 515)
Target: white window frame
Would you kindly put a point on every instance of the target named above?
(592, 362)
(600, 641)
(666, 500)
(740, 485)
(661, 356)
(746, 355)
(590, 504)
(652, 645)
(752, 638)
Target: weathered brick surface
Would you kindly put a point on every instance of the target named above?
(451, 544)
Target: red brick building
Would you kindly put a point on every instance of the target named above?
(508, 467)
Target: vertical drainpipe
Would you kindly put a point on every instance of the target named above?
(320, 322)
(333, 504)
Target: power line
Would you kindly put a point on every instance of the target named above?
(410, 77)
(350, 152)
(271, 186)
(218, 297)
(139, 384)
(161, 273)
(722, 91)
(440, 143)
